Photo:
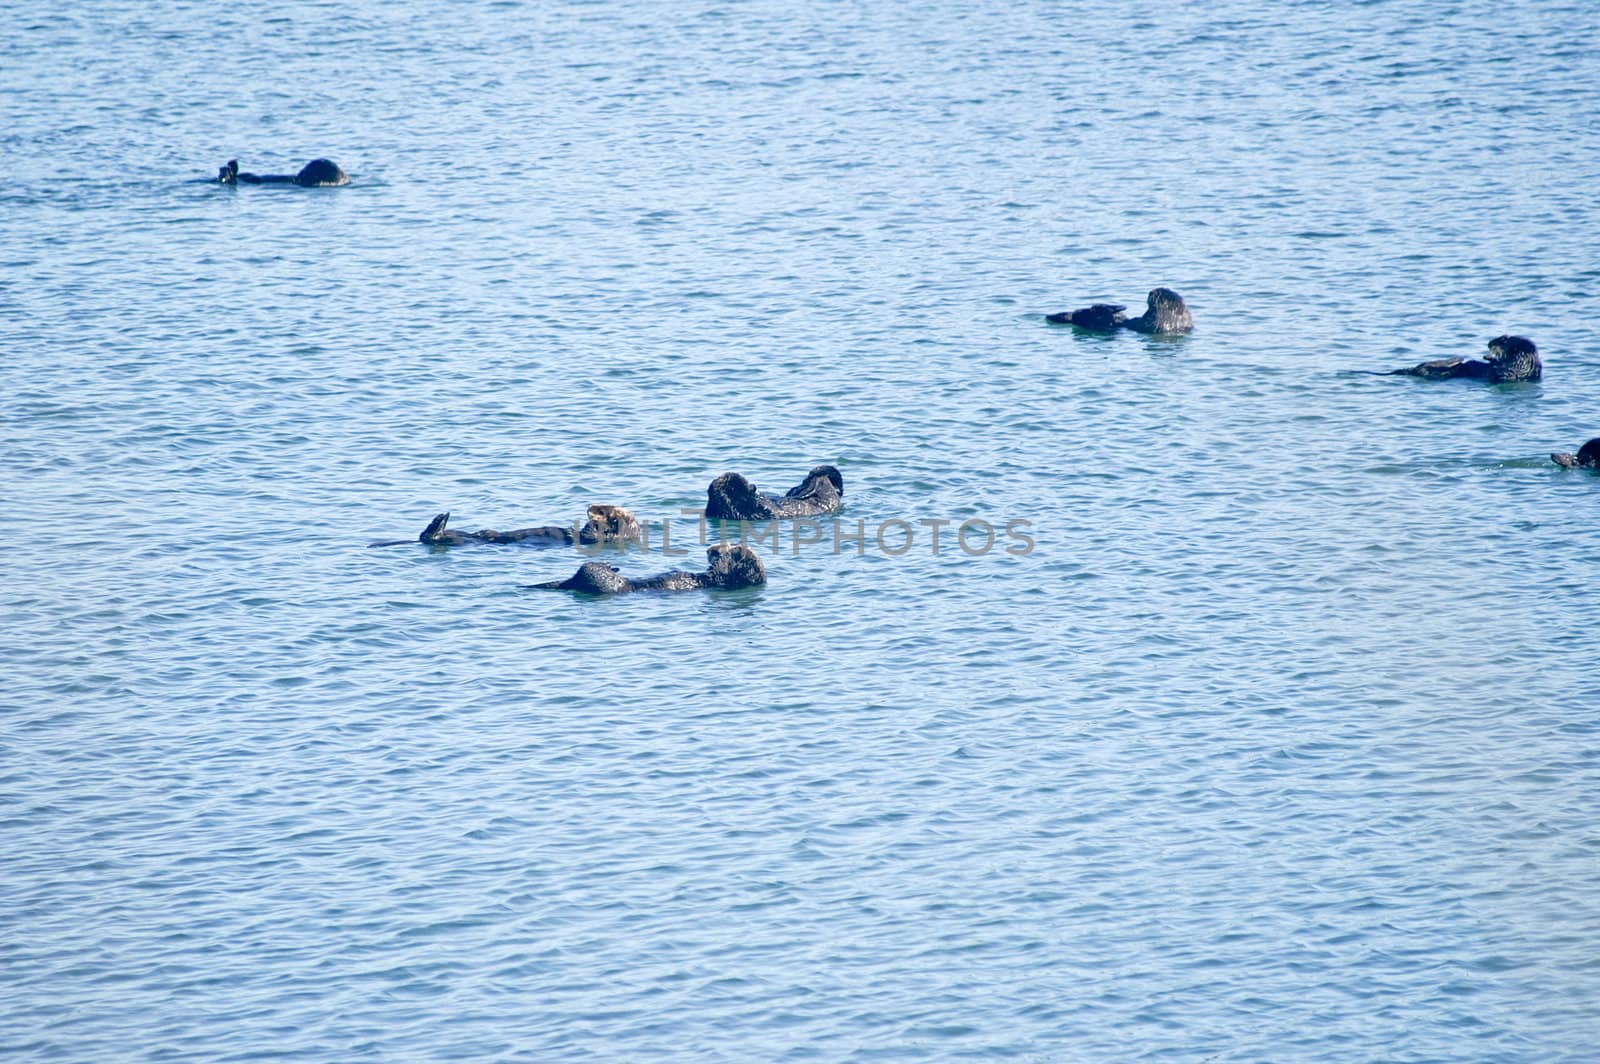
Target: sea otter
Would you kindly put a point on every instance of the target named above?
(606, 524)
(318, 173)
(1165, 314)
(1511, 359)
(728, 566)
(1588, 457)
(733, 498)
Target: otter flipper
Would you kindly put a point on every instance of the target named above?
(1102, 317)
(1565, 461)
(433, 533)
(1438, 369)
(435, 530)
(551, 585)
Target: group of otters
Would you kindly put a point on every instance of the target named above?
(728, 565)
(732, 497)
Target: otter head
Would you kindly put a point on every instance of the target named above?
(733, 565)
(321, 172)
(1167, 311)
(829, 473)
(610, 524)
(229, 174)
(596, 578)
(732, 497)
(1514, 358)
(1589, 455)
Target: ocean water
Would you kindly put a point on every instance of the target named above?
(1280, 744)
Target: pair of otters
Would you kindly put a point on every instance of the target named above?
(730, 497)
(1511, 358)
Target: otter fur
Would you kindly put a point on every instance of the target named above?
(728, 566)
(733, 498)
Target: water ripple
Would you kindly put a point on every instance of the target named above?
(1278, 745)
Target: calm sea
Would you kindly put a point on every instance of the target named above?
(1282, 743)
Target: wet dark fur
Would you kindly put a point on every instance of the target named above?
(733, 498)
(1102, 317)
(1511, 359)
(318, 173)
(1588, 457)
(606, 524)
(728, 566)
(1165, 314)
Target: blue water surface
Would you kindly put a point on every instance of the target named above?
(1281, 743)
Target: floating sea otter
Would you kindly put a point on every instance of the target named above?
(732, 498)
(728, 566)
(1588, 457)
(1511, 359)
(606, 524)
(318, 173)
(1165, 314)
